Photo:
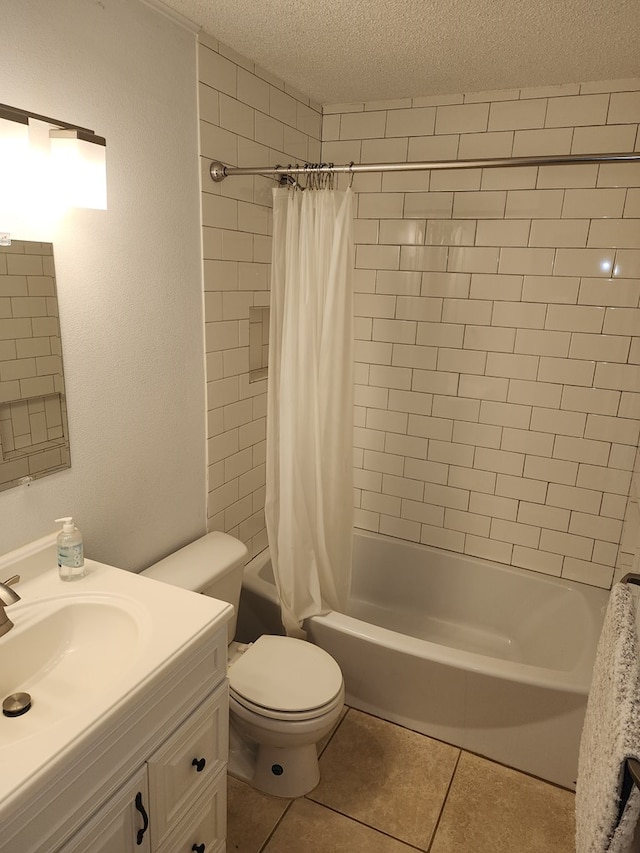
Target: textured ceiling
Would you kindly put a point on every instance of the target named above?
(357, 50)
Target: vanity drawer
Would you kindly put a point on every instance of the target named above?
(187, 763)
(204, 827)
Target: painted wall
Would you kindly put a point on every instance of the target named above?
(129, 279)
(247, 118)
(498, 375)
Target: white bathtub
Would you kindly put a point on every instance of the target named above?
(493, 659)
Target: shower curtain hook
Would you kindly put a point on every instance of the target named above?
(351, 173)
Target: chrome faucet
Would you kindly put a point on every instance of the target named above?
(7, 596)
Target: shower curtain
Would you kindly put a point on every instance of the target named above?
(309, 491)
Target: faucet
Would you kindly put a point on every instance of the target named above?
(7, 596)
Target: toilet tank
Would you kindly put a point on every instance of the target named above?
(211, 565)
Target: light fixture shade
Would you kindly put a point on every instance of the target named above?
(78, 165)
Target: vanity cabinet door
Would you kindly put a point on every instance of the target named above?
(184, 766)
(121, 825)
(204, 827)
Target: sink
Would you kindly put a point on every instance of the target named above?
(64, 651)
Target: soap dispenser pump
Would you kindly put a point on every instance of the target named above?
(70, 551)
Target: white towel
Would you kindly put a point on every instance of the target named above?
(605, 817)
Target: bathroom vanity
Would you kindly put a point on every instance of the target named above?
(125, 745)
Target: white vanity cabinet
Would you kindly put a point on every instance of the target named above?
(176, 801)
(104, 754)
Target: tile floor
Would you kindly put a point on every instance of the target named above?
(385, 789)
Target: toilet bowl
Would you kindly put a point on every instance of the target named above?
(285, 694)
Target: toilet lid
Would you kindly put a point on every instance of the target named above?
(285, 674)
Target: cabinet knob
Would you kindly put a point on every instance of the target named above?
(199, 764)
(198, 848)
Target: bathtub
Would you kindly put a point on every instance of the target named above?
(490, 658)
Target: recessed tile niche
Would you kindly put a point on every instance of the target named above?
(258, 343)
(34, 437)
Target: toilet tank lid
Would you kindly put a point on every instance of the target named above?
(196, 565)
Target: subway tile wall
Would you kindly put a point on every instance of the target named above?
(247, 118)
(497, 314)
(498, 326)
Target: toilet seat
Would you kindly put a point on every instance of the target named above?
(239, 702)
(285, 678)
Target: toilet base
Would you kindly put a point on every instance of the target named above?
(281, 772)
(286, 772)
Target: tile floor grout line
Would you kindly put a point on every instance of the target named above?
(366, 825)
(444, 802)
(275, 826)
(334, 730)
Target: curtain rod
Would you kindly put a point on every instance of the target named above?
(219, 171)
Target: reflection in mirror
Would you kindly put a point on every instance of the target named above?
(34, 438)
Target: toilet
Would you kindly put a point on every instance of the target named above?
(285, 694)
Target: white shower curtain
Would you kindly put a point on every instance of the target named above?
(309, 492)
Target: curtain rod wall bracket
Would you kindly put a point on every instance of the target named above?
(217, 171)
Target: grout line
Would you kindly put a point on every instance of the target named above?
(333, 731)
(365, 825)
(275, 827)
(444, 802)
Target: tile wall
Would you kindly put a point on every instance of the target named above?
(498, 325)
(247, 118)
(498, 318)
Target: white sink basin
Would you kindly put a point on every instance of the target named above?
(63, 651)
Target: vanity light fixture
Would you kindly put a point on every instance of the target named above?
(77, 163)
(14, 159)
(79, 167)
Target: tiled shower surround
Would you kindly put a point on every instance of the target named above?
(497, 315)
(498, 371)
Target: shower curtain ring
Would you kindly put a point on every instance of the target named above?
(351, 173)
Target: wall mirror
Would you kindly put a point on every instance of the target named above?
(34, 436)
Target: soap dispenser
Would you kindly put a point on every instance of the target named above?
(70, 551)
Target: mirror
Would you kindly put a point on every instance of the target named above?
(34, 436)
